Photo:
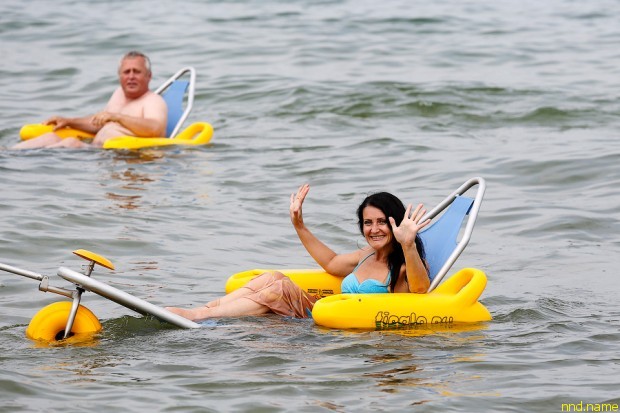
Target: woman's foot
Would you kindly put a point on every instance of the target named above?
(189, 314)
(213, 303)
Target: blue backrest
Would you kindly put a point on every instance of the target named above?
(174, 96)
(440, 238)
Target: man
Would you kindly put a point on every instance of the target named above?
(132, 110)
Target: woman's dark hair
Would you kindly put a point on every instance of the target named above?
(393, 207)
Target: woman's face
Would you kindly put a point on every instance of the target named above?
(376, 227)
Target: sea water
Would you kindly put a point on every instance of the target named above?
(352, 97)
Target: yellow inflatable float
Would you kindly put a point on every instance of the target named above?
(317, 283)
(49, 323)
(70, 319)
(453, 301)
(177, 93)
(199, 133)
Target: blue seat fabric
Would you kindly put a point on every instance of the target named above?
(440, 238)
(174, 96)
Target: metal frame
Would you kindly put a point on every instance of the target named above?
(84, 282)
(190, 96)
(469, 227)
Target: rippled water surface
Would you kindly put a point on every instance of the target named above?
(352, 97)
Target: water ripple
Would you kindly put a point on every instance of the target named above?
(352, 99)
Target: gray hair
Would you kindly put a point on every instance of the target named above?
(133, 54)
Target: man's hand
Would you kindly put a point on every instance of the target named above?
(58, 121)
(100, 119)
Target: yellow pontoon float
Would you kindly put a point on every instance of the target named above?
(454, 301)
(64, 319)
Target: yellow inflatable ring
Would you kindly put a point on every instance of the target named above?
(50, 322)
(453, 301)
(38, 129)
(198, 133)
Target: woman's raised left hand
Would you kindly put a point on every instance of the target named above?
(409, 227)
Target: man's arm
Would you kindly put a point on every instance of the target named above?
(84, 123)
(151, 124)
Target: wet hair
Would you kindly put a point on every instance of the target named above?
(393, 207)
(133, 54)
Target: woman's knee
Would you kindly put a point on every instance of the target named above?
(265, 279)
(277, 275)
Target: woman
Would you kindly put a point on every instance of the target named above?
(393, 261)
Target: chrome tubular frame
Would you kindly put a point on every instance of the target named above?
(190, 96)
(469, 227)
(83, 283)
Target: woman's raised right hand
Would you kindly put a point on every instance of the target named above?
(297, 199)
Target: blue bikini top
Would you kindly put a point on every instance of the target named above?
(351, 285)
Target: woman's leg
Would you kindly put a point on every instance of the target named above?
(257, 283)
(234, 304)
(237, 308)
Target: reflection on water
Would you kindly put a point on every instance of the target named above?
(130, 179)
(420, 330)
(389, 380)
(81, 369)
(139, 156)
(125, 201)
(406, 360)
(77, 340)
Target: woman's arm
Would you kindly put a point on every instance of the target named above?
(416, 272)
(405, 234)
(336, 264)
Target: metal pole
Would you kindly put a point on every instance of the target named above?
(19, 271)
(74, 309)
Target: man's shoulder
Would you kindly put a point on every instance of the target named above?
(117, 95)
(153, 97)
(154, 106)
